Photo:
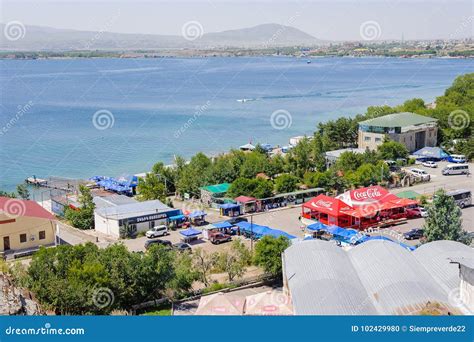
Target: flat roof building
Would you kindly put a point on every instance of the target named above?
(120, 218)
(412, 130)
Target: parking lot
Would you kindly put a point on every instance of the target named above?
(287, 219)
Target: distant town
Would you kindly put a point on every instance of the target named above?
(401, 49)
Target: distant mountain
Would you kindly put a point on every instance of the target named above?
(46, 38)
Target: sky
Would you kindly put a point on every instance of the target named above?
(324, 19)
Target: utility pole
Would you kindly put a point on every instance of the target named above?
(251, 233)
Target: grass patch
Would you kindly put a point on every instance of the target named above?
(161, 310)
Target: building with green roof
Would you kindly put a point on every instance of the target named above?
(412, 130)
(213, 191)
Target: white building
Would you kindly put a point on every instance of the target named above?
(120, 216)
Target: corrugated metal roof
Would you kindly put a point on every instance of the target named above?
(398, 120)
(112, 200)
(376, 277)
(133, 209)
(395, 281)
(435, 258)
(323, 281)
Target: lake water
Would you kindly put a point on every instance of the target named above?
(177, 106)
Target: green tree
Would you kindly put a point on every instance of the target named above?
(444, 220)
(151, 188)
(268, 253)
(391, 150)
(349, 161)
(234, 262)
(286, 183)
(83, 217)
(258, 188)
(23, 192)
(203, 263)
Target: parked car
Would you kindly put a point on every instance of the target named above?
(429, 163)
(219, 238)
(149, 243)
(236, 220)
(417, 212)
(425, 176)
(181, 246)
(413, 234)
(157, 231)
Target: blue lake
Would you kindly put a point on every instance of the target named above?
(179, 106)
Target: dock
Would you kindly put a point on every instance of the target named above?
(57, 183)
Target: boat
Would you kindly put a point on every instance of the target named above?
(308, 61)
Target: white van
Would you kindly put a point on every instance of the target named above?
(455, 169)
(157, 231)
(425, 176)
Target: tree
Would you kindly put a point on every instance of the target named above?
(299, 158)
(268, 253)
(151, 188)
(23, 192)
(257, 187)
(286, 183)
(83, 217)
(234, 262)
(391, 150)
(444, 220)
(203, 263)
(349, 161)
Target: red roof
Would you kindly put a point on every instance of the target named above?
(15, 207)
(327, 205)
(245, 199)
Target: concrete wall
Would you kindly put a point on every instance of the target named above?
(370, 140)
(31, 226)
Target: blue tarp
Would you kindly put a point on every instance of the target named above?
(378, 237)
(431, 153)
(222, 225)
(197, 213)
(317, 226)
(229, 206)
(261, 231)
(190, 232)
(177, 217)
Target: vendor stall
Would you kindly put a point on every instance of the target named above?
(176, 221)
(249, 204)
(230, 209)
(197, 217)
(189, 235)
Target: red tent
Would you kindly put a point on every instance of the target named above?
(327, 210)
